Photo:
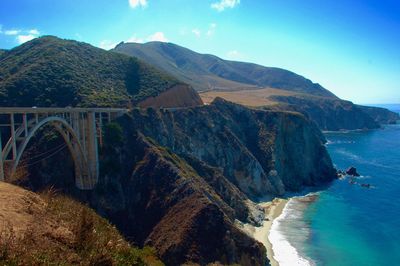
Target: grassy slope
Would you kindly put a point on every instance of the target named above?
(203, 71)
(49, 71)
(54, 229)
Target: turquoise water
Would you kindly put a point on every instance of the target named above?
(348, 224)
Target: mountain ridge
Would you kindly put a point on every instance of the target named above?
(200, 69)
(49, 71)
(258, 86)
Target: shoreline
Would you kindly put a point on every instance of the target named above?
(273, 209)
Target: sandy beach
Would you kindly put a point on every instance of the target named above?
(272, 210)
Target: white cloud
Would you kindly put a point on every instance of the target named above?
(157, 37)
(211, 29)
(107, 44)
(222, 4)
(25, 38)
(235, 55)
(34, 32)
(12, 32)
(135, 39)
(196, 32)
(22, 36)
(137, 3)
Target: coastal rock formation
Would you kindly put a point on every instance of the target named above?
(257, 150)
(179, 179)
(157, 199)
(352, 171)
(328, 114)
(381, 115)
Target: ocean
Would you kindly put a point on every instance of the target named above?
(348, 224)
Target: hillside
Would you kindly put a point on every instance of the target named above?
(205, 72)
(330, 114)
(49, 71)
(51, 229)
(179, 180)
(257, 86)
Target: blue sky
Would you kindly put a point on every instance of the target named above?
(350, 47)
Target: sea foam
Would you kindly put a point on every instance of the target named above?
(284, 252)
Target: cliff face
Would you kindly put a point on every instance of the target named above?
(328, 114)
(381, 115)
(155, 198)
(184, 199)
(178, 96)
(262, 153)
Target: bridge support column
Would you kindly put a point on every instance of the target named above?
(78, 127)
(92, 149)
(1, 160)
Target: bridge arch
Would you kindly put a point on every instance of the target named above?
(81, 129)
(71, 140)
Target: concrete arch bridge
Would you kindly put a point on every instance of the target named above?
(81, 128)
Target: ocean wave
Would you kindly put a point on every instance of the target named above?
(330, 142)
(284, 252)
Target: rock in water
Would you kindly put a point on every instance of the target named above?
(352, 171)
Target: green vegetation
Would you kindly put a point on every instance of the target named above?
(68, 233)
(49, 71)
(113, 142)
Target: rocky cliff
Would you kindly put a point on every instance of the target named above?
(178, 179)
(181, 95)
(381, 115)
(328, 114)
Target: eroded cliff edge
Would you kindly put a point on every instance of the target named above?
(178, 179)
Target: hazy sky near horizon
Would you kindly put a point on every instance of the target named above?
(351, 47)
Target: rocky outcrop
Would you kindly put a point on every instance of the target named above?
(328, 114)
(352, 171)
(155, 198)
(178, 179)
(178, 96)
(381, 115)
(261, 152)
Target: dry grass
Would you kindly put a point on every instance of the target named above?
(61, 231)
(252, 97)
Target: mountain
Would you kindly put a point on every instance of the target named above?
(257, 86)
(49, 71)
(2, 51)
(205, 72)
(181, 180)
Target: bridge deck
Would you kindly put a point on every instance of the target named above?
(23, 110)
